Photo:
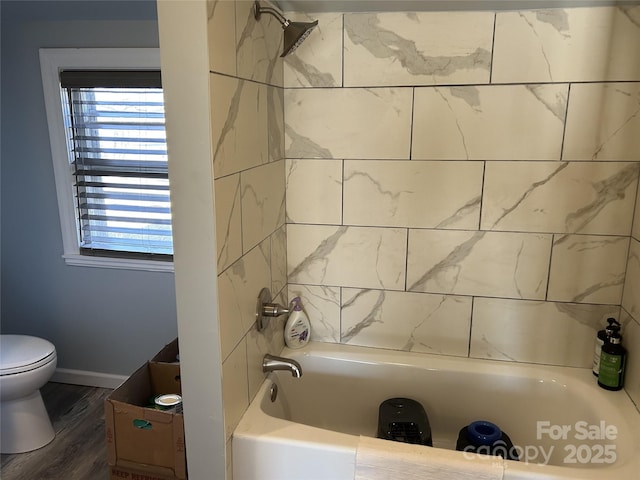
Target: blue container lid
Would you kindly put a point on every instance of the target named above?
(482, 432)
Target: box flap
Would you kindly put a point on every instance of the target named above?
(168, 354)
(136, 389)
(165, 378)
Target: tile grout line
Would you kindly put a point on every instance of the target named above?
(341, 294)
(473, 303)
(411, 124)
(553, 241)
(484, 173)
(342, 52)
(564, 126)
(406, 262)
(493, 47)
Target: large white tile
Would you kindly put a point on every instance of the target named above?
(275, 120)
(258, 45)
(314, 191)
(263, 202)
(348, 123)
(418, 48)
(490, 122)
(413, 193)
(238, 125)
(536, 332)
(257, 347)
(494, 264)
(235, 393)
(271, 341)
(573, 197)
(279, 259)
(228, 220)
(322, 306)
(631, 295)
(561, 45)
(603, 121)
(405, 321)
(238, 289)
(347, 256)
(318, 61)
(588, 269)
(221, 33)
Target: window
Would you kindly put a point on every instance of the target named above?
(116, 139)
(106, 124)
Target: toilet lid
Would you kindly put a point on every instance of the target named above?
(23, 352)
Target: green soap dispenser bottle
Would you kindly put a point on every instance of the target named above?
(601, 339)
(613, 361)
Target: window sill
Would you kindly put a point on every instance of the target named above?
(118, 263)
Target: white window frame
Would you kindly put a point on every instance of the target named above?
(52, 61)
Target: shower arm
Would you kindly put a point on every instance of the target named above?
(258, 11)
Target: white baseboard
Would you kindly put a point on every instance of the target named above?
(90, 379)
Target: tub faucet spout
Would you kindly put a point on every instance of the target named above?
(271, 363)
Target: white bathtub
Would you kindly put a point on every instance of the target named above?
(312, 430)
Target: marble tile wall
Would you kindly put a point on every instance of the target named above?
(466, 183)
(247, 138)
(443, 194)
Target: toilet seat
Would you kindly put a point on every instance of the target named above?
(22, 353)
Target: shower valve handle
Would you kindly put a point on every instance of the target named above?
(273, 310)
(266, 309)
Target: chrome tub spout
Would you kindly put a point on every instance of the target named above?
(271, 363)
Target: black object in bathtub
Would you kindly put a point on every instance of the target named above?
(404, 420)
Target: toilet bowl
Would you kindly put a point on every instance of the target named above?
(26, 364)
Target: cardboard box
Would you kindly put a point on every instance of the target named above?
(140, 438)
(120, 473)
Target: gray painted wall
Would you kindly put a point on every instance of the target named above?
(100, 320)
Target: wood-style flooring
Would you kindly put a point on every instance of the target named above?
(78, 452)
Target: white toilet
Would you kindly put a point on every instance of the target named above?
(26, 364)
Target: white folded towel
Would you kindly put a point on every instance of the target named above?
(378, 459)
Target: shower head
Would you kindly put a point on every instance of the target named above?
(294, 32)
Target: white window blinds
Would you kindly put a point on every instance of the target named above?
(117, 142)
